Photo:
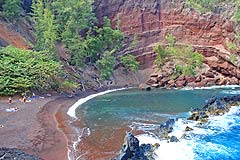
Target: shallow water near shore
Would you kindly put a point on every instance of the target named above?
(107, 118)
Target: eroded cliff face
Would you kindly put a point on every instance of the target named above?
(151, 20)
(19, 34)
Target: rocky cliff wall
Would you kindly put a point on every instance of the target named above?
(151, 20)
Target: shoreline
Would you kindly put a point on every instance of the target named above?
(41, 127)
(48, 131)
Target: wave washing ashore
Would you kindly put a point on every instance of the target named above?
(72, 110)
(211, 133)
(216, 139)
(72, 113)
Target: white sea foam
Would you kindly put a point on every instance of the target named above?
(185, 148)
(169, 151)
(72, 110)
(212, 87)
(231, 92)
(143, 126)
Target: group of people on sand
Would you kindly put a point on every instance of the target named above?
(23, 99)
(14, 109)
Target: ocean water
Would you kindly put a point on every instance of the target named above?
(143, 111)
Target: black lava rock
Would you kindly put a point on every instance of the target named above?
(174, 139)
(131, 149)
(15, 154)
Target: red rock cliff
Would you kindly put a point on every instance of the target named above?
(151, 20)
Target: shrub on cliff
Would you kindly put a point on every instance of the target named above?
(106, 65)
(26, 70)
(186, 61)
(11, 8)
(161, 55)
(130, 62)
(204, 5)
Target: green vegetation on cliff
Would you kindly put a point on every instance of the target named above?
(129, 62)
(72, 23)
(203, 5)
(45, 29)
(231, 7)
(11, 8)
(186, 61)
(25, 70)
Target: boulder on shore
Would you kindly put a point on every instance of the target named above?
(145, 87)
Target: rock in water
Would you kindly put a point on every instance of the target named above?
(188, 129)
(214, 106)
(131, 149)
(174, 139)
(15, 154)
(166, 128)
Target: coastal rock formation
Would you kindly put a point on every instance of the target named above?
(165, 128)
(151, 20)
(132, 150)
(15, 154)
(188, 129)
(214, 107)
(174, 139)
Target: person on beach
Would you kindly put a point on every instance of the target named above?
(24, 99)
(10, 100)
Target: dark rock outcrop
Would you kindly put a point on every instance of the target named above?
(174, 139)
(132, 150)
(188, 129)
(15, 154)
(165, 129)
(214, 106)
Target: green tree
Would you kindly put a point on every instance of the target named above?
(45, 29)
(129, 62)
(93, 46)
(106, 65)
(77, 14)
(26, 70)
(161, 55)
(171, 39)
(11, 8)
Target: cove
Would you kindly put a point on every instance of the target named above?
(140, 112)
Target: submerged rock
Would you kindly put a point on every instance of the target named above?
(132, 150)
(15, 154)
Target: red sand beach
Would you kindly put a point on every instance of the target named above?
(43, 128)
(36, 127)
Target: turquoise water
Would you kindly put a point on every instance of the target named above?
(124, 107)
(141, 110)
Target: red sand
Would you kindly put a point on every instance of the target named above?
(33, 128)
(43, 128)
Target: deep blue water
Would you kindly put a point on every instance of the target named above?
(219, 139)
